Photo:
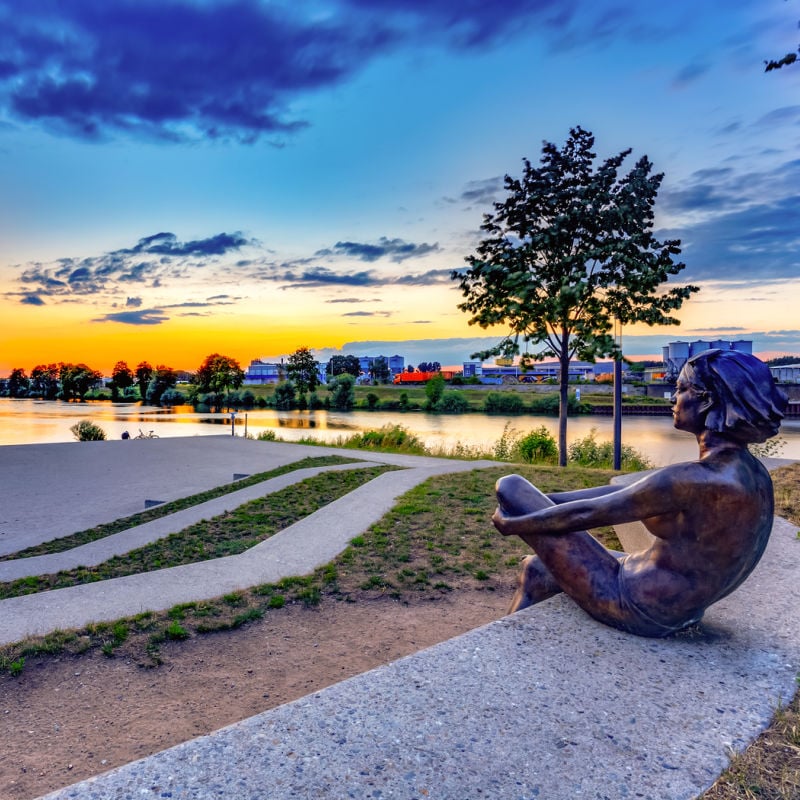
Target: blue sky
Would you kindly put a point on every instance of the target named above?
(249, 177)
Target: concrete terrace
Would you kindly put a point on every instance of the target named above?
(546, 703)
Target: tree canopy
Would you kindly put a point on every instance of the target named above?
(569, 252)
(303, 370)
(218, 373)
(379, 370)
(338, 365)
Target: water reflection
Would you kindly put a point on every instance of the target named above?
(32, 421)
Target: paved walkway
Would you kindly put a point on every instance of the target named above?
(89, 494)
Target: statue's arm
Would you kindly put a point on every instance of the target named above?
(582, 494)
(662, 492)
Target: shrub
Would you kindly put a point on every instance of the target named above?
(389, 437)
(266, 436)
(538, 446)
(503, 403)
(284, 395)
(453, 402)
(172, 397)
(87, 431)
(588, 452)
(372, 401)
(315, 402)
(343, 393)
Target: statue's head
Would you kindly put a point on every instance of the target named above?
(745, 403)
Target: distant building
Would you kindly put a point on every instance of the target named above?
(396, 363)
(787, 373)
(539, 372)
(676, 354)
(260, 372)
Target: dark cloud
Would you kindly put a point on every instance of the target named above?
(394, 249)
(151, 260)
(146, 316)
(231, 69)
(483, 192)
(32, 300)
(368, 314)
(133, 302)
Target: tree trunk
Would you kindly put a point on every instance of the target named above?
(563, 399)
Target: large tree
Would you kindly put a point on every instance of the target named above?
(143, 372)
(218, 373)
(338, 365)
(18, 383)
(568, 252)
(379, 370)
(302, 370)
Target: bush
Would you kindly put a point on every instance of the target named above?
(538, 446)
(503, 403)
(389, 437)
(588, 452)
(266, 436)
(372, 401)
(172, 397)
(315, 402)
(284, 395)
(343, 393)
(452, 402)
(87, 431)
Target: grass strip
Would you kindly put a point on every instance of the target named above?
(123, 524)
(437, 539)
(227, 534)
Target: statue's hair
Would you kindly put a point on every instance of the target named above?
(746, 403)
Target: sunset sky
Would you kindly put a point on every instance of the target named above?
(183, 177)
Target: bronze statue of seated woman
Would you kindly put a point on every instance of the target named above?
(711, 518)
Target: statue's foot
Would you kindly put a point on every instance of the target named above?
(522, 597)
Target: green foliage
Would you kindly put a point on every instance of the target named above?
(391, 438)
(568, 252)
(372, 401)
(217, 374)
(503, 403)
(284, 395)
(452, 402)
(337, 365)
(303, 370)
(538, 446)
(772, 448)
(266, 436)
(379, 370)
(342, 391)
(87, 431)
(434, 389)
(588, 452)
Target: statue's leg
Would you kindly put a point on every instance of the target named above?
(576, 563)
(518, 496)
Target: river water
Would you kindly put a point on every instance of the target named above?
(35, 422)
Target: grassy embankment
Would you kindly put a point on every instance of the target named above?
(436, 541)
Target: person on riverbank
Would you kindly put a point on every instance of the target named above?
(711, 517)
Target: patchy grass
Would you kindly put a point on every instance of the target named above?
(110, 528)
(438, 539)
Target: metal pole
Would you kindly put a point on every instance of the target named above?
(618, 400)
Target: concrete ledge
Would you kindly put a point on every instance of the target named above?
(546, 703)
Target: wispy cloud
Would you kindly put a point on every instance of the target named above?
(395, 250)
(150, 261)
(145, 316)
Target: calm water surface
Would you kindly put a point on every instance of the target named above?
(36, 422)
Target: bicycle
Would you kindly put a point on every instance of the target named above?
(148, 435)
